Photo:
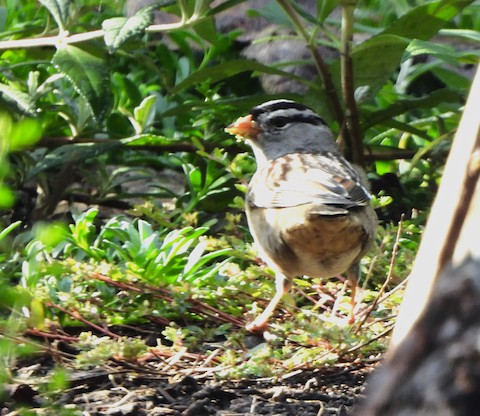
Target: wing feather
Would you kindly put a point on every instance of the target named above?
(326, 180)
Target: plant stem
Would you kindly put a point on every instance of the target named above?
(322, 68)
(61, 39)
(354, 141)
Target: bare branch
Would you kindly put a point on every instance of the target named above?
(322, 68)
(354, 139)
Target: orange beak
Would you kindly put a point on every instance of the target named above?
(244, 128)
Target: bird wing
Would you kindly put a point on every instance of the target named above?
(326, 180)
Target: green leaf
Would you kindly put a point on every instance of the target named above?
(7, 198)
(229, 69)
(402, 106)
(444, 52)
(222, 6)
(462, 33)
(71, 153)
(324, 8)
(144, 114)
(59, 10)
(452, 78)
(424, 21)
(9, 229)
(375, 60)
(21, 99)
(25, 133)
(274, 13)
(3, 18)
(147, 140)
(89, 75)
(207, 30)
(120, 29)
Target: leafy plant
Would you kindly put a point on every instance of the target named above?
(121, 196)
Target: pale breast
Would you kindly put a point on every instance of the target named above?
(298, 243)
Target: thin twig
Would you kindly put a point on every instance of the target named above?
(382, 153)
(65, 39)
(353, 140)
(387, 281)
(369, 341)
(76, 315)
(42, 334)
(157, 292)
(322, 67)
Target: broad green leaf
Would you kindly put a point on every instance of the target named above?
(59, 10)
(7, 197)
(405, 127)
(402, 106)
(274, 13)
(148, 140)
(324, 8)
(375, 60)
(71, 153)
(120, 29)
(424, 21)
(25, 133)
(17, 135)
(222, 6)
(89, 75)
(3, 18)
(6, 125)
(144, 114)
(444, 52)
(229, 69)
(452, 78)
(50, 234)
(21, 99)
(462, 33)
(382, 167)
(207, 30)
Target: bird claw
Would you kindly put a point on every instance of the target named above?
(257, 326)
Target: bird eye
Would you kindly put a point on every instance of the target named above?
(280, 121)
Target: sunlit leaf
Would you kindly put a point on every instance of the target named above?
(375, 60)
(71, 153)
(119, 29)
(89, 75)
(424, 21)
(59, 10)
(324, 8)
(229, 69)
(7, 197)
(21, 99)
(25, 133)
(144, 114)
(402, 106)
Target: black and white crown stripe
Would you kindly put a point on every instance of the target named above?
(282, 112)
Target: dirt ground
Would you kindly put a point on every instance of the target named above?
(118, 390)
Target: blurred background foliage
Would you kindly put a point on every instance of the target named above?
(121, 196)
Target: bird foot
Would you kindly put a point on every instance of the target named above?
(257, 326)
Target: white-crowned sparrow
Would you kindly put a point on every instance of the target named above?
(307, 208)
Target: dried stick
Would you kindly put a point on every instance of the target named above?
(387, 281)
(354, 145)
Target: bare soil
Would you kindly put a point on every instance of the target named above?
(123, 389)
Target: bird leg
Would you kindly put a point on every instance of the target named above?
(353, 273)
(260, 323)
